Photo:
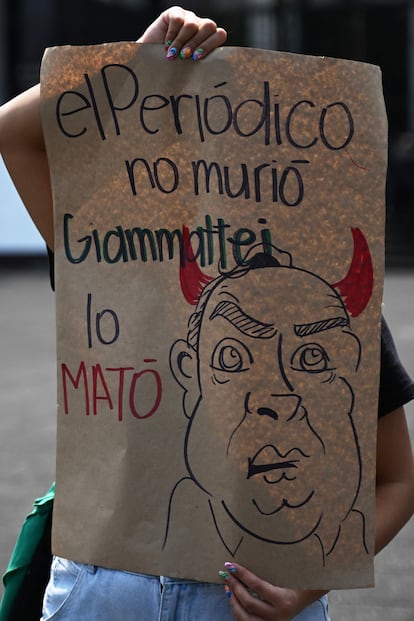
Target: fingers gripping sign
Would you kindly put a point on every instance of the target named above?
(184, 34)
(254, 599)
(247, 594)
(193, 38)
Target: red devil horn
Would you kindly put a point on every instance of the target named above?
(192, 279)
(356, 288)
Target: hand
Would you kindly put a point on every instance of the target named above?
(184, 34)
(254, 599)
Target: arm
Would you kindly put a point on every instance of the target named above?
(395, 477)
(21, 136)
(23, 151)
(394, 507)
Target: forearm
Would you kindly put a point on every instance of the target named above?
(23, 151)
(395, 478)
(395, 506)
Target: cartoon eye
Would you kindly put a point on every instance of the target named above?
(311, 358)
(231, 356)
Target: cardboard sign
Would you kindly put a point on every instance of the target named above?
(219, 267)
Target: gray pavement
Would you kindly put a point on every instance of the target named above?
(27, 430)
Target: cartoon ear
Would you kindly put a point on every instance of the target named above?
(184, 367)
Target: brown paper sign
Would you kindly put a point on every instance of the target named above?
(219, 267)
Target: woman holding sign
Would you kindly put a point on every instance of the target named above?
(86, 592)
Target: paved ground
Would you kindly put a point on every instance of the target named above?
(27, 430)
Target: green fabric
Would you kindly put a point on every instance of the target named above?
(24, 549)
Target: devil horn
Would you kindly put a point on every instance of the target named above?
(192, 279)
(356, 288)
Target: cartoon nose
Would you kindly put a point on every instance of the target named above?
(284, 407)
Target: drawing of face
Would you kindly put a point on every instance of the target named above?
(275, 360)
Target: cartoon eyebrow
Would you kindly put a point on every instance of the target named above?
(243, 322)
(305, 329)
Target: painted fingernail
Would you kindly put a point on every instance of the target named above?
(227, 591)
(185, 53)
(172, 53)
(198, 53)
(223, 574)
(167, 45)
(230, 567)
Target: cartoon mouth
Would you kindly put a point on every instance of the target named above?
(264, 460)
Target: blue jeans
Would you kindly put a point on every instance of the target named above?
(87, 593)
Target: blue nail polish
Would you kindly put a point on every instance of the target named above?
(172, 53)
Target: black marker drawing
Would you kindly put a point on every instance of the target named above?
(262, 391)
